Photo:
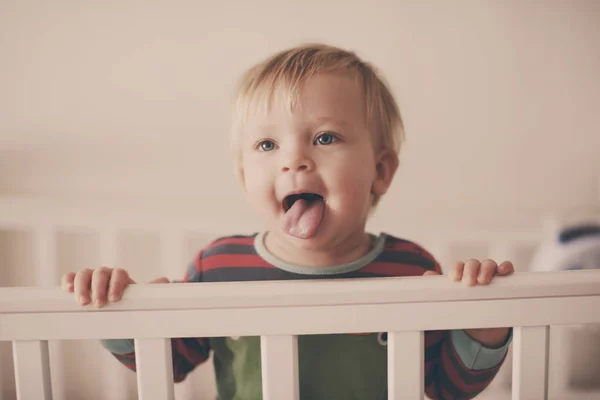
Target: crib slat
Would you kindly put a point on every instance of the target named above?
(47, 273)
(32, 370)
(279, 361)
(109, 248)
(45, 251)
(172, 258)
(171, 251)
(406, 365)
(115, 380)
(530, 363)
(154, 369)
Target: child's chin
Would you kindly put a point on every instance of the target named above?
(316, 241)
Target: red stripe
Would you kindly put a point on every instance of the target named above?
(178, 376)
(445, 393)
(193, 357)
(474, 372)
(198, 264)
(453, 373)
(204, 342)
(433, 337)
(404, 246)
(450, 371)
(394, 269)
(234, 261)
(182, 350)
(131, 366)
(428, 367)
(430, 391)
(411, 247)
(127, 360)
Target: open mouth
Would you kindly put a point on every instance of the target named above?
(289, 201)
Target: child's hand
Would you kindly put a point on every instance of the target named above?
(474, 272)
(104, 283)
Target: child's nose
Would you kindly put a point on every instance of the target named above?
(300, 167)
(297, 162)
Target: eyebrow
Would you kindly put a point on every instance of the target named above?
(259, 130)
(324, 120)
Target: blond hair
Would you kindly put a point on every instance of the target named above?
(280, 77)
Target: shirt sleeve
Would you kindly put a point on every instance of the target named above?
(188, 353)
(456, 365)
(476, 356)
(449, 375)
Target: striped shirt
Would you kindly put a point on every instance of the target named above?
(341, 366)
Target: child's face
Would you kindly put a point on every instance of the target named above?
(323, 153)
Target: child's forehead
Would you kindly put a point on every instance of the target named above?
(274, 121)
(320, 99)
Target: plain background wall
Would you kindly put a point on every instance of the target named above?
(126, 102)
(130, 98)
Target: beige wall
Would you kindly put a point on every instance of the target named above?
(129, 98)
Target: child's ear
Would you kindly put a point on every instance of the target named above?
(385, 168)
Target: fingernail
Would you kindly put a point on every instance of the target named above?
(99, 303)
(82, 300)
(112, 298)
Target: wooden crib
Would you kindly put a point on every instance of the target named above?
(532, 302)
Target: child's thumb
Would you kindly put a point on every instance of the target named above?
(431, 273)
(160, 280)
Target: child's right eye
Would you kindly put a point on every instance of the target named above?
(266, 145)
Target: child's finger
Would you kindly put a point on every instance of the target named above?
(66, 282)
(118, 281)
(166, 280)
(470, 272)
(457, 272)
(506, 268)
(486, 272)
(100, 279)
(82, 286)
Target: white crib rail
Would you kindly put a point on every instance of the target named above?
(279, 311)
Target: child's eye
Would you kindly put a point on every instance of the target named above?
(266, 145)
(325, 139)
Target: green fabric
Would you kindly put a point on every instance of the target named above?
(331, 367)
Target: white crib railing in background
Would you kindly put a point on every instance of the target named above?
(30, 317)
(279, 311)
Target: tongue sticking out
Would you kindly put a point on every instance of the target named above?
(303, 218)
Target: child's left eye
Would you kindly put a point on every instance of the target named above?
(326, 138)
